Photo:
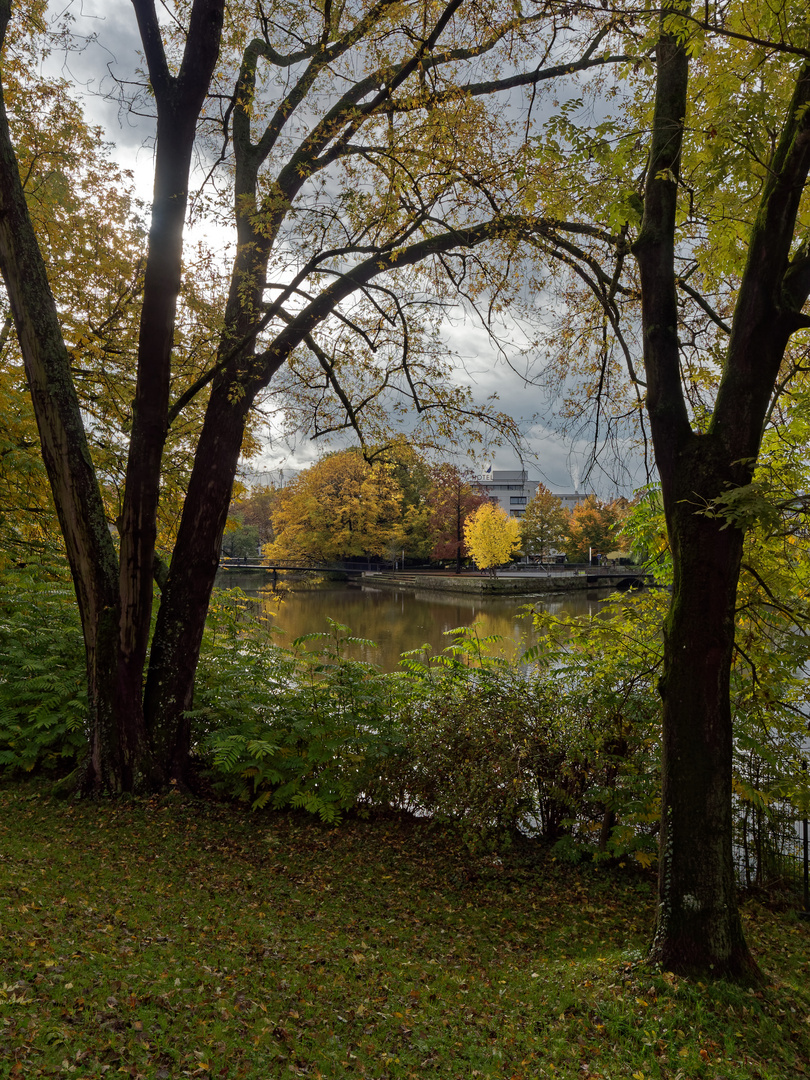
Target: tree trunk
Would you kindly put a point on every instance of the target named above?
(184, 602)
(119, 750)
(179, 101)
(114, 596)
(187, 591)
(698, 927)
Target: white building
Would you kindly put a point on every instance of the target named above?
(511, 489)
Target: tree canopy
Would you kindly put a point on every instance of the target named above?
(492, 537)
(339, 508)
(451, 500)
(545, 524)
(593, 529)
(371, 164)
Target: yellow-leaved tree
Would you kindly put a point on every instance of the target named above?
(491, 536)
(341, 507)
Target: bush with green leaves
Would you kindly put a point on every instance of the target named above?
(463, 737)
(532, 747)
(605, 671)
(304, 726)
(43, 680)
(471, 745)
(466, 739)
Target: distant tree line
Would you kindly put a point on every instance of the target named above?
(398, 505)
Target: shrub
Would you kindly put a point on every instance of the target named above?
(43, 681)
(462, 737)
(301, 727)
(498, 748)
(605, 670)
(470, 743)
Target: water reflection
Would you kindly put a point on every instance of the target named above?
(399, 621)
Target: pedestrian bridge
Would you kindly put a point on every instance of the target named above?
(318, 568)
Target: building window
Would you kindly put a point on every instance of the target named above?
(517, 513)
(517, 500)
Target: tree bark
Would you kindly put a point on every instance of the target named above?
(118, 748)
(179, 101)
(698, 928)
(114, 594)
(187, 591)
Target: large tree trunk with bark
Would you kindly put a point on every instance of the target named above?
(119, 754)
(187, 591)
(179, 101)
(114, 591)
(698, 927)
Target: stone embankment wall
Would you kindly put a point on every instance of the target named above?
(526, 583)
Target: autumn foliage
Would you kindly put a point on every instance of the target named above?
(545, 524)
(595, 528)
(339, 508)
(451, 500)
(492, 537)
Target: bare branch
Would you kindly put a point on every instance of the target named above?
(703, 303)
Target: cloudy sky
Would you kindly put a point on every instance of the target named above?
(103, 73)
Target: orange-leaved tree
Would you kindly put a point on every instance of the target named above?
(594, 528)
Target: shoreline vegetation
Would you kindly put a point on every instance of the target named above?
(560, 743)
(169, 937)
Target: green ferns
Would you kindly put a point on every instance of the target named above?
(43, 690)
(300, 727)
(561, 745)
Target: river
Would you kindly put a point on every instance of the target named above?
(401, 620)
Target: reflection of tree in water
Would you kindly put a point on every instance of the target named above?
(515, 632)
(401, 621)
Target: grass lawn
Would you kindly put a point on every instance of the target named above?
(167, 938)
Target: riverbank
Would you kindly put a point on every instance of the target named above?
(512, 582)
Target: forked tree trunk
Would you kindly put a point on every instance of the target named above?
(114, 596)
(118, 751)
(698, 929)
(187, 591)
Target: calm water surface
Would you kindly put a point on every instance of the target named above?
(399, 621)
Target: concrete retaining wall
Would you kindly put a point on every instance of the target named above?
(488, 586)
